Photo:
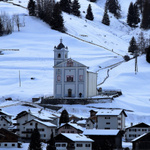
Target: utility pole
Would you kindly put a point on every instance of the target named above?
(19, 79)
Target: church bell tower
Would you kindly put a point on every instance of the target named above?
(60, 53)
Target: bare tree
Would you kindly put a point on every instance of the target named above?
(16, 19)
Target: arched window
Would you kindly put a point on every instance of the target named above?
(59, 55)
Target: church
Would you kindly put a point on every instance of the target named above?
(71, 78)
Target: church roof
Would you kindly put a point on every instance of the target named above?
(61, 45)
(70, 59)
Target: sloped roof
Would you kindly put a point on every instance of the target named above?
(60, 46)
(40, 114)
(77, 137)
(110, 112)
(48, 124)
(139, 125)
(59, 65)
(74, 125)
(100, 132)
(141, 136)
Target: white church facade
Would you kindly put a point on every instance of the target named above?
(71, 78)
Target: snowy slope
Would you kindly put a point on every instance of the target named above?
(36, 40)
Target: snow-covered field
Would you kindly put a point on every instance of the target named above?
(36, 41)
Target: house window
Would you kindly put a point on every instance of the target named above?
(107, 117)
(119, 124)
(79, 145)
(31, 124)
(87, 145)
(63, 145)
(58, 145)
(5, 145)
(107, 122)
(4, 125)
(107, 128)
(69, 78)
(72, 131)
(13, 144)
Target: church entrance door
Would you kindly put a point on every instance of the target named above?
(69, 92)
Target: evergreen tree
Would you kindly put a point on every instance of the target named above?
(136, 18)
(1, 27)
(89, 14)
(31, 7)
(133, 15)
(130, 15)
(140, 4)
(65, 6)
(133, 46)
(48, 9)
(148, 54)
(141, 43)
(35, 143)
(145, 24)
(114, 7)
(51, 143)
(64, 118)
(105, 19)
(57, 22)
(75, 8)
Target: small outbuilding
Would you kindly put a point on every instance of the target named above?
(105, 139)
(68, 141)
(142, 142)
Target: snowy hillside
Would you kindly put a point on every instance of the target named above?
(36, 41)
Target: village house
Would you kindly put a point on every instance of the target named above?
(68, 141)
(45, 129)
(71, 78)
(70, 128)
(5, 120)
(108, 119)
(26, 120)
(104, 139)
(142, 142)
(136, 130)
(8, 139)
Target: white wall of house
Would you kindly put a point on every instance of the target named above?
(8, 145)
(89, 124)
(44, 130)
(91, 84)
(134, 132)
(111, 121)
(4, 124)
(107, 122)
(78, 146)
(22, 120)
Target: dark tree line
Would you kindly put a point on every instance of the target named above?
(48, 11)
(114, 7)
(133, 17)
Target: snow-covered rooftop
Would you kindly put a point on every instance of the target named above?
(100, 132)
(77, 137)
(105, 112)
